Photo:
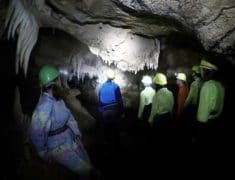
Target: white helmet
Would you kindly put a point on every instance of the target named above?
(181, 76)
(110, 74)
(146, 80)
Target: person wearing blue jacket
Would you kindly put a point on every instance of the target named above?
(111, 109)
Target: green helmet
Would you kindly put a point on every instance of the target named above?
(47, 74)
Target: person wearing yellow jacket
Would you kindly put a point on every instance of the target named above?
(191, 103)
(163, 101)
(193, 95)
(161, 124)
(210, 108)
(211, 99)
(146, 97)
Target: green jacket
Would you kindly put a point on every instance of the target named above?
(146, 97)
(193, 94)
(163, 102)
(211, 101)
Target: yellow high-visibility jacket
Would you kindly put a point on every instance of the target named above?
(163, 102)
(146, 97)
(211, 101)
(194, 92)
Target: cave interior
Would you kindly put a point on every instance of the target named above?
(132, 50)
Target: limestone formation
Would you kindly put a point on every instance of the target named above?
(108, 27)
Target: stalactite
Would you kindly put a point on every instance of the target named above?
(21, 22)
(134, 51)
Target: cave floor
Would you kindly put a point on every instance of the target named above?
(138, 156)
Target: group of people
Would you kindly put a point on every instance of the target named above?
(197, 107)
(56, 136)
(54, 133)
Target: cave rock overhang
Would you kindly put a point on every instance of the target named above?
(114, 45)
(211, 22)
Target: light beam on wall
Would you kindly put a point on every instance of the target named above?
(127, 51)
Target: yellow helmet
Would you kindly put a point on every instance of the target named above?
(160, 79)
(207, 65)
(181, 76)
(146, 80)
(110, 74)
(196, 69)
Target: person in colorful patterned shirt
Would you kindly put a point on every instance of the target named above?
(53, 131)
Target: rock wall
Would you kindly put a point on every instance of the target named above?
(211, 22)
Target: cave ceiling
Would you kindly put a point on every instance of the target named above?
(122, 32)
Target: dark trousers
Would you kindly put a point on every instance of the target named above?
(146, 112)
(162, 131)
(163, 148)
(189, 121)
(209, 134)
(210, 148)
(111, 127)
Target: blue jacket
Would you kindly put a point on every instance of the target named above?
(110, 97)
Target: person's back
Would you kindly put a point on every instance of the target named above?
(163, 100)
(194, 92)
(195, 87)
(161, 123)
(210, 130)
(146, 97)
(191, 103)
(211, 101)
(107, 93)
(110, 95)
(182, 94)
(111, 109)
